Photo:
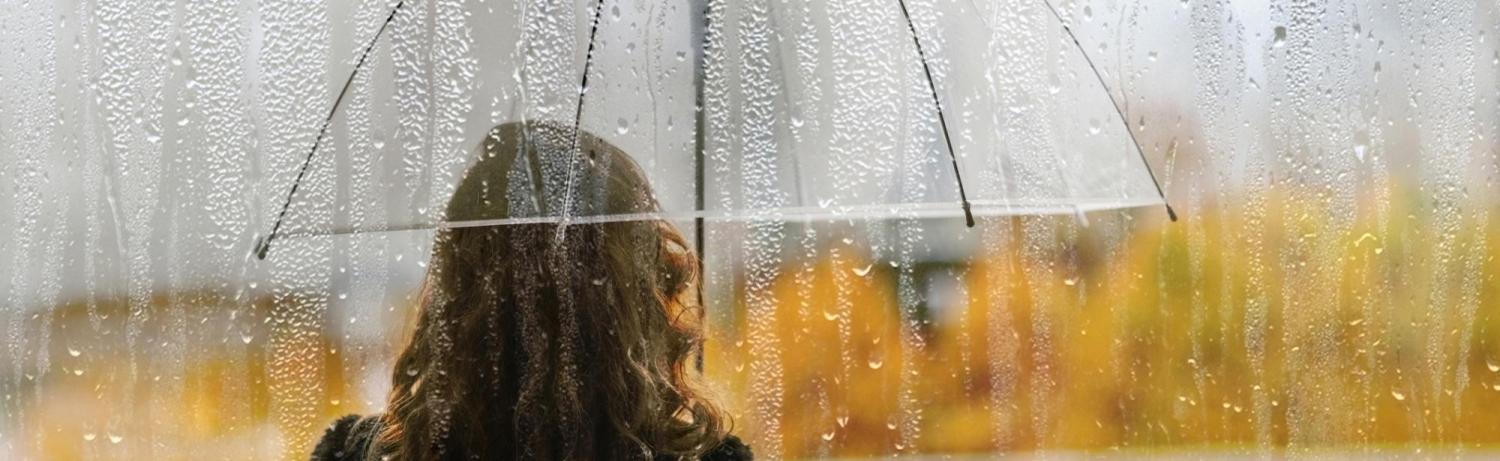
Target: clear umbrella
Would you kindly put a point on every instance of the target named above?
(798, 121)
(144, 167)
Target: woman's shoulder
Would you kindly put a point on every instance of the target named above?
(731, 449)
(347, 439)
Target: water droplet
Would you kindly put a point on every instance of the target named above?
(1280, 37)
(1398, 395)
(863, 271)
(624, 127)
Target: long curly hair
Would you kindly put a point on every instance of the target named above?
(535, 341)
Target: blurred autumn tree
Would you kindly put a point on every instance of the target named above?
(1285, 333)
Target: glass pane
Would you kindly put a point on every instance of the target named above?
(1329, 288)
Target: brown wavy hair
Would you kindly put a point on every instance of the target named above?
(534, 341)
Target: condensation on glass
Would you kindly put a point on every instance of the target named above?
(1330, 287)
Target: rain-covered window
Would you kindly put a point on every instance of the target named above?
(841, 228)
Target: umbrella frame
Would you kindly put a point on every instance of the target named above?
(263, 244)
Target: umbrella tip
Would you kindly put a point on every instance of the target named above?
(262, 246)
(1171, 214)
(968, 215)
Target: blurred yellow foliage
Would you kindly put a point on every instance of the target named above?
(1269, 328)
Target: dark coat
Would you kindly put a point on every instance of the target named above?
(348, 439)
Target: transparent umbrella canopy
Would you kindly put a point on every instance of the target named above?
(744, 111)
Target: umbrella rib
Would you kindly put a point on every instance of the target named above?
(583, 89)
(263, 246)
(942, 120)
(588, 60)
(1171, 214)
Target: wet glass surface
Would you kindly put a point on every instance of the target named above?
(1330, 288)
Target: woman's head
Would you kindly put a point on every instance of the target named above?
(538, 342)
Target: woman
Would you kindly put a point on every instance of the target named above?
(536, 341)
